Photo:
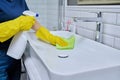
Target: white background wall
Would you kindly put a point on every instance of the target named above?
(52, 14)
(39, 6)
(111, 19)
(48, 10)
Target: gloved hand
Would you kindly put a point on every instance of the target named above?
(10, 28)
(43, 34)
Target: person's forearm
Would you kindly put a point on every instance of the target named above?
(36, 26)
(45, 35)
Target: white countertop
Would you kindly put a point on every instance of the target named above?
(86, 56)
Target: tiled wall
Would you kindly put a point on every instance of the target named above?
(48, 10)
(52, 14)
(39, 6)
(111, 19)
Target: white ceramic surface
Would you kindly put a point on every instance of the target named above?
(89, 60)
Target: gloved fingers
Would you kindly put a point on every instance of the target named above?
(61, 42)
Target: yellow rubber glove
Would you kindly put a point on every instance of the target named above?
(43, 34)
(10, 28)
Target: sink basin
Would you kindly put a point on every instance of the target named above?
(89, 60)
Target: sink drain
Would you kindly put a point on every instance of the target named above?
(63, 56)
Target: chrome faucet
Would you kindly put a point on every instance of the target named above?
(99, 27)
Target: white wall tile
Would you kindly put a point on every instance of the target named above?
(53, 22)
(40, 8)
(72, 13)
(109, 17)
(113, 30)
(87, 25)
(86, 33)
(68, 18)
(118, 19)
(54, 2)
(52, 14)
(52, 17)
(117, 43)
(52, 6)
(108, 40)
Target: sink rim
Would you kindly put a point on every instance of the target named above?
(68, 73)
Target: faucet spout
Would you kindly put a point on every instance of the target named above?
(98, 20)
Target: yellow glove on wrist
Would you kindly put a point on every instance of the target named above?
(24, 22)
(43, 34)
(10, 28)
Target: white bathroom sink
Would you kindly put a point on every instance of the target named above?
(89, 60)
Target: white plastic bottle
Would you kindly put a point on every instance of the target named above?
(73, 27)
(19, 41)
(30, 13)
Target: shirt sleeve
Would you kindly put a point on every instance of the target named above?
(26, 6)
(12, 10)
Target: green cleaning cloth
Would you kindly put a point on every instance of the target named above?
(71, 42)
